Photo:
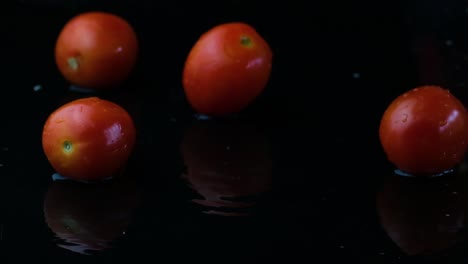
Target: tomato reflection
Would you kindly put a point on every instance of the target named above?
(228, 165)
(86, 218)
(424, 216)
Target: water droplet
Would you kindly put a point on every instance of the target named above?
(341, 246)
(356, 75)
(415, 89)
(454, 193)
(58, 177)
(449, 42)
(448, 215)
(202, 117)
(228, 147)
(443, 123)
(123, 233)
(37, 88)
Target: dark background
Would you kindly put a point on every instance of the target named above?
(336, 67)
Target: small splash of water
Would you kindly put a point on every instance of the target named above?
(406, 174)
(79, 89)
(58, 177)
(202, 117)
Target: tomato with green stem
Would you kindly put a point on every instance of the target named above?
(96, 50)
(227, 68)
(89, 139)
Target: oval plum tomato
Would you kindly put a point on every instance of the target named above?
(88, 139)
(96, 50)
(226, 69)
(424, 131)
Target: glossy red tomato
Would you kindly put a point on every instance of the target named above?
(96, 50)
(88, 139)
(226, 69)
(424, 131)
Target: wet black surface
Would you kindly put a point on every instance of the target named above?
(298, 176)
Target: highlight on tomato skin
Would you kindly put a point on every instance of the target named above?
(96, 50)
(423, 131)
(226, 69)
(89, 139)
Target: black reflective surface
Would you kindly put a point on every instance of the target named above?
(299, 176)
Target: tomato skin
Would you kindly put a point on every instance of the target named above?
(96, 50)
(424, 131)
(88, 139)
(226, 69)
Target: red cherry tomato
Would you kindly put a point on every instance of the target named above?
(88, 139)
(424, 131)
(96, 50)
(226, 69)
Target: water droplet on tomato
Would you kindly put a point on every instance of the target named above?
(405, 118)
(443, 123)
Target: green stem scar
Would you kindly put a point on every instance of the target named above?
(67, 146)
(246, 41)
(73, 63)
